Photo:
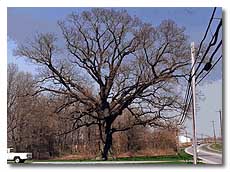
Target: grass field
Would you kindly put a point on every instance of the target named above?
(180, 158)
(217, 146)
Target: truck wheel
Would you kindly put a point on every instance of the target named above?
(17, 160)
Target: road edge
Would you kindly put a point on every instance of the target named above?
(204, 159)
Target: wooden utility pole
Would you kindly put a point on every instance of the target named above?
(220, 124)
(193, 84)
(214, 133)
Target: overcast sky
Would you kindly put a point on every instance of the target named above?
(23, 23)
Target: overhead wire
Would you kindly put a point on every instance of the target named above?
(210, 59)
(205, 35)
(211, 43)
(187, 100)
(209, 70)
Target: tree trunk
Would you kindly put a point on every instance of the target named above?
(108, 142)
(14, 141)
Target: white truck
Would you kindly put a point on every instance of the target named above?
(17, 157)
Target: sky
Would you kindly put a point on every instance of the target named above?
(23, 23)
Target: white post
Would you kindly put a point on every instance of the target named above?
(220, 125)
(214, 133)
(194, 103)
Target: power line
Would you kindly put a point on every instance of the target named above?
(188, 102)
(206, 33)
(185, 102)
(189, 97)
(209, 70)
(211, 43)
(209, 65)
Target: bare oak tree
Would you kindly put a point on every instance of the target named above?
(112, 62)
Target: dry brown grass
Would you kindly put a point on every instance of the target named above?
(141, 153)
(147, 152)
(75, 157)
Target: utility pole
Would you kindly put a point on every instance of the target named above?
(193, 84)
(202, 138)
(220, 124)
(186, 135)
(214, 133)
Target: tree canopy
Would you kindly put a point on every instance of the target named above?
(112, 63)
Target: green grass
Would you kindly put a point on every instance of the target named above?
(26, 162)
(181, 158)
(217, 146)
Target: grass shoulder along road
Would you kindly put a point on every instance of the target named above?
(213, 148)
(217, 146)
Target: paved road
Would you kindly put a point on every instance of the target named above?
(207, 156)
